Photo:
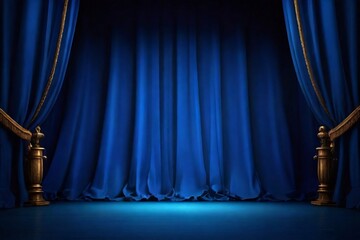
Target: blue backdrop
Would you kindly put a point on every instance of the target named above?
(180, 100)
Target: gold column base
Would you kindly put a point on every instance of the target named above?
(324, 197)
(36, 197)
(36, 203)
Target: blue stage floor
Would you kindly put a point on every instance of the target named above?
(179, 220)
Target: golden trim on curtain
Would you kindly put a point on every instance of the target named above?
(349, 121)
(307, 60)
(56, 56)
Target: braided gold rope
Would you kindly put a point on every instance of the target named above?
(52, 73)
(345, 125)
(307, 61)
(13, 126)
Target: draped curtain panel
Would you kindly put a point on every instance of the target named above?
(180, 100)
(331, 35)
(29, 34)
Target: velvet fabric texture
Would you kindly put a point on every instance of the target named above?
(29, 32)
(331, 30)
(180, 100)
(166, 100)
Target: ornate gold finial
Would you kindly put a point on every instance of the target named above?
(36, 137)
(322, 129)
(323, 136)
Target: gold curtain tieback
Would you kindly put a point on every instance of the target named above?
(14, 127)
(345, 125)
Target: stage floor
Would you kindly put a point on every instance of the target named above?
(179, 220)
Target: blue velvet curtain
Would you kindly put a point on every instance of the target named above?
(180, 100)
(331, 30)
(29, 32)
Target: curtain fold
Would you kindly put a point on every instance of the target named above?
(29, 32)
(179, 101)
(331, 30)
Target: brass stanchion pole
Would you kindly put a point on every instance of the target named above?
(325, 170)
(34, 170)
